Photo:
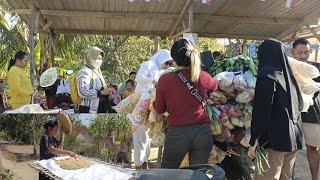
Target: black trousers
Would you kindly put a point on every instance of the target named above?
(102, 108)
(196, 140)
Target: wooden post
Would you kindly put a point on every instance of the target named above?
(43, 52)
(191, 18)
(156, 44)
(32, 24)
(317, 36)
(1, 168)
(160, 149)
(317, 54)
(35, 152)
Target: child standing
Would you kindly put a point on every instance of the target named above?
(129, 89)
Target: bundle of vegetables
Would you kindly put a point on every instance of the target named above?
(231, 105)
(261, 160)
(238, 63)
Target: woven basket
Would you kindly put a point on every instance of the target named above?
(65, 123)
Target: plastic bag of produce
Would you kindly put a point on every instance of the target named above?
(225, 79)
(304, 69)
(226, 133)
(245, 141)
(239, 83)
(249, 108)
(216, 128)
(230, 110)
(236, 122)
(230, 92)
(153, 114)
(224, 120)
(244, 97)
(157, 139)
(305, 73)
(250, 79)
(217, 157)
(218, 98)
(238, 135)
(127, 105)
(140, 113)
(246, 119)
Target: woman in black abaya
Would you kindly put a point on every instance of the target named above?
(276, 119)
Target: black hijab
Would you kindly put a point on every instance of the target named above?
(273, 63)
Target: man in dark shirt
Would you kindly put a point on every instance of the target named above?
(311, 119)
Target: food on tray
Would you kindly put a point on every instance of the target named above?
(73, 163)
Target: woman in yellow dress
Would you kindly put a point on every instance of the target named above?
(19, 82)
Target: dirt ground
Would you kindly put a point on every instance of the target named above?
(17, 157)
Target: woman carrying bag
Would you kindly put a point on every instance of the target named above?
(182, 94)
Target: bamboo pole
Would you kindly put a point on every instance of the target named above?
(32, 19)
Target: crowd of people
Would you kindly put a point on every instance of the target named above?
(277, 120)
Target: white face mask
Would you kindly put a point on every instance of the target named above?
(97, 63)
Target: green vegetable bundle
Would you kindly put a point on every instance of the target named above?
(238, 63)
(261, 160)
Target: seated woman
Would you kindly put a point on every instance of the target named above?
(49, 145)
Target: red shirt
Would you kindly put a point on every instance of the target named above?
(174, 97)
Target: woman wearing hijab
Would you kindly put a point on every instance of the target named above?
(91, 85)
(276, 119)
(147, 77)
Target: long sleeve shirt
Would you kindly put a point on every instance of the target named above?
(20, 87)
(271, 121)
(173, 96)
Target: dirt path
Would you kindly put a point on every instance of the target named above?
(16, 158)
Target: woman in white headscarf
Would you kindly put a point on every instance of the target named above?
(147, 77)
(91, 85)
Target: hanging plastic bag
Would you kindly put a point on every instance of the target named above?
(140, 113)
(127, 105)
(218, 98)
(250, 79)
(225, 79)
(304, 74)
(245, 97)
(153, 116)
(240, 83)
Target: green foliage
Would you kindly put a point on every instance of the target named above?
(12, 36)
(238, 63)
(19, 126)
(104, 128)
(104, 125)
(70, 142)
(8, 175)
(210, 44)
(3, 134)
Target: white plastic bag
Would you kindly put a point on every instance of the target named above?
(304, 74)
(250, 79)
(225, 79)
(240, 83)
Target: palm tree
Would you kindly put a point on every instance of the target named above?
(12, 36)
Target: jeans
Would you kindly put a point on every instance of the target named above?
(196, 140)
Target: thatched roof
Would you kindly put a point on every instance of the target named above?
(248, 19)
